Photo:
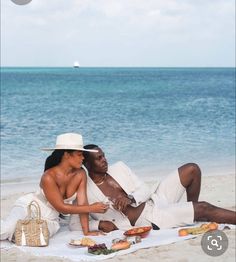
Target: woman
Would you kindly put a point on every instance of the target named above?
(62, 182)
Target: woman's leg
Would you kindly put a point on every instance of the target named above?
(8, 225)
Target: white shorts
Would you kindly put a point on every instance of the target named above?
(168, 206)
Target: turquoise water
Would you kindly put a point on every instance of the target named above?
(154, 119)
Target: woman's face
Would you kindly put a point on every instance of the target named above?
(76, 159)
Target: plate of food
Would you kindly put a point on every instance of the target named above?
(84, 242)
(198, 230)
(138, 231)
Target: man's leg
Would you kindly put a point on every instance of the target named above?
(190, 178)
(204, 211)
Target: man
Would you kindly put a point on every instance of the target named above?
(133, 203)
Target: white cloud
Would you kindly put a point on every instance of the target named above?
(119, 29)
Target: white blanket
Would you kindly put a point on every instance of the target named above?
(59, 244)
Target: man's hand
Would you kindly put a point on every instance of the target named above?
(121, 203)
(106, 226)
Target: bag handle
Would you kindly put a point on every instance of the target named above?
(37, 207)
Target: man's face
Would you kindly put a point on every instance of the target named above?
(98, 162)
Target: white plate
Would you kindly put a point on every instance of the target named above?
(75, 245)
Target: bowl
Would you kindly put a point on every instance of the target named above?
(138, 231)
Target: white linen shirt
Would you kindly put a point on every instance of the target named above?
(129, 182)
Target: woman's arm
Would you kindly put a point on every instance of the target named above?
(83, 200)
(54, 197)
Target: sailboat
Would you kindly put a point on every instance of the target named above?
(76, 64)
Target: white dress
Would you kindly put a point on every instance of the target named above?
(19, 211)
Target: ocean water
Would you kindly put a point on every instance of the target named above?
(153, 119)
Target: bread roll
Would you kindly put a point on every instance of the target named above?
(121, 245)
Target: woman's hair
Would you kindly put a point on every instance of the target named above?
(55, 158)
(86, 153)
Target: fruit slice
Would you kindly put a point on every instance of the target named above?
(183, 232)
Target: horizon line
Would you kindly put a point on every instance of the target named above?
(118, 67)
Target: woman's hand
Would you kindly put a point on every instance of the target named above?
(94, 233)
(98, 207)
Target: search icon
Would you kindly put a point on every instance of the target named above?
(214, 242)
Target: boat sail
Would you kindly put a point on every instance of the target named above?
(76, 64)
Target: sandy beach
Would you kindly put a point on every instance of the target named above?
(218, 190)
(151, 83)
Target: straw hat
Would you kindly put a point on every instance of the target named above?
(68, 141)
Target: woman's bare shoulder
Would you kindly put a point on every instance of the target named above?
(80, 173)
(48, 177)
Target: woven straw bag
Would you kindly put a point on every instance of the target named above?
(32, 231)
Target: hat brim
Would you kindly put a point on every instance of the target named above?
(74, 148)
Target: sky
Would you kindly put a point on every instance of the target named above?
(118, 33)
